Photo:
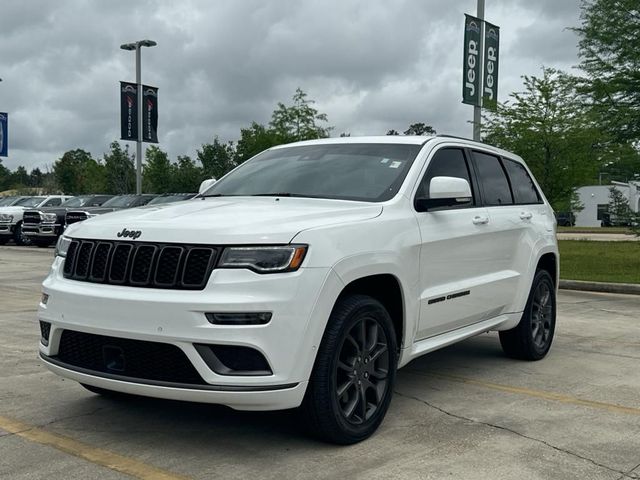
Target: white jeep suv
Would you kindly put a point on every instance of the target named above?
(306, 277)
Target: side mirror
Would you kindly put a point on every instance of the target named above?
(206, 184)
(445, 192)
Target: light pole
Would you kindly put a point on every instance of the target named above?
(137, 46)
(477, 109)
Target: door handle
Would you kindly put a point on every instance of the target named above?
(480, 220)
(526, 215)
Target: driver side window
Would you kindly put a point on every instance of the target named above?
(447, 162)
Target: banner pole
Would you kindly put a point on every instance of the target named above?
(139, 105)
(477, 109)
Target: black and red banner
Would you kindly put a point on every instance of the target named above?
(129, 112)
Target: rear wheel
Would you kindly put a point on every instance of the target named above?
(531, 339)
(353, 376)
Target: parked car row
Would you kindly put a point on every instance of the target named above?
(40, 220)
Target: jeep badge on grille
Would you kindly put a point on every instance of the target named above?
(129, 233)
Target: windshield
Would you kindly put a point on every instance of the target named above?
(29, 202)
(170, 199)
(75, 202)
(117, 202)
(370, 172)
(7, 201)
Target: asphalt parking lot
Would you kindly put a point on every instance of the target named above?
(462, 412)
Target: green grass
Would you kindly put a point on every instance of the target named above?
(593, 230)
(617, 262)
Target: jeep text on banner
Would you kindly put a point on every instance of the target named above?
(150, 114)
(471, 63)
(491, 49)
(128, 111)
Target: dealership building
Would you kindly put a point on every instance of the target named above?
(595, 199)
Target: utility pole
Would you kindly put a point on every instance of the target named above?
(137, 46)
(477, 109)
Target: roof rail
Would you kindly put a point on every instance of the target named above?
(459, 138)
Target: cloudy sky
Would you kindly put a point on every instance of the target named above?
(371, 65)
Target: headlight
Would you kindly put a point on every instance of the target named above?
(264, 259)
(62, 246)
(49, 217)
(4, 217)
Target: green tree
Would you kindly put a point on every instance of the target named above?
(187, 176)
(610, 57)
(392, 132)
(20, 178)
(120, 174)
(420, 129)
(35, 178)
(158, 171)
(300, 121)
(77, 173)
(217, 158)
(5, 175)
(557, 137)
(619, 206)
(254, 140)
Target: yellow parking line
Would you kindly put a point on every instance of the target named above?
(551, 396)
(108, 459)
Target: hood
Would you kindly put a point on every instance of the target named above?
(226, 220)
(13, 210)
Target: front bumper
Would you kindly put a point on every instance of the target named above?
(41, 230)
(6, 229)
(300, 303)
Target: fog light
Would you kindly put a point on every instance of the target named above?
(245, 318)
(44, 299)
(45, 329)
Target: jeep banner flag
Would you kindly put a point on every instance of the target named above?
(471, 65)
(128, 111)
(490, 76)
(4, 134)
(150, 114)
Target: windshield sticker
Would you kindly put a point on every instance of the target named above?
(395, 164)
(385, 160)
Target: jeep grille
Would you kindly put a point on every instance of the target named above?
(151, 265)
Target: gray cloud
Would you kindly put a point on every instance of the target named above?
(370, 65)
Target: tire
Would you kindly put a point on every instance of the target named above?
(19, 238)
(532, 338)
(359, 336)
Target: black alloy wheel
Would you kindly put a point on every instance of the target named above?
(362, 375)
(532, 338)
(352, 380)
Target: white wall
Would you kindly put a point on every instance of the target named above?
(590, 197)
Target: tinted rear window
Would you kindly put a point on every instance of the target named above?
(521, 183)
(495, 186)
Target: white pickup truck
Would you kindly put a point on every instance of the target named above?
(11, 216)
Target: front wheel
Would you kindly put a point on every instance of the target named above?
(531, 339)
(19, 237)
(352, 380)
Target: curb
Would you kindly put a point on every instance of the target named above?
(625, 288)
